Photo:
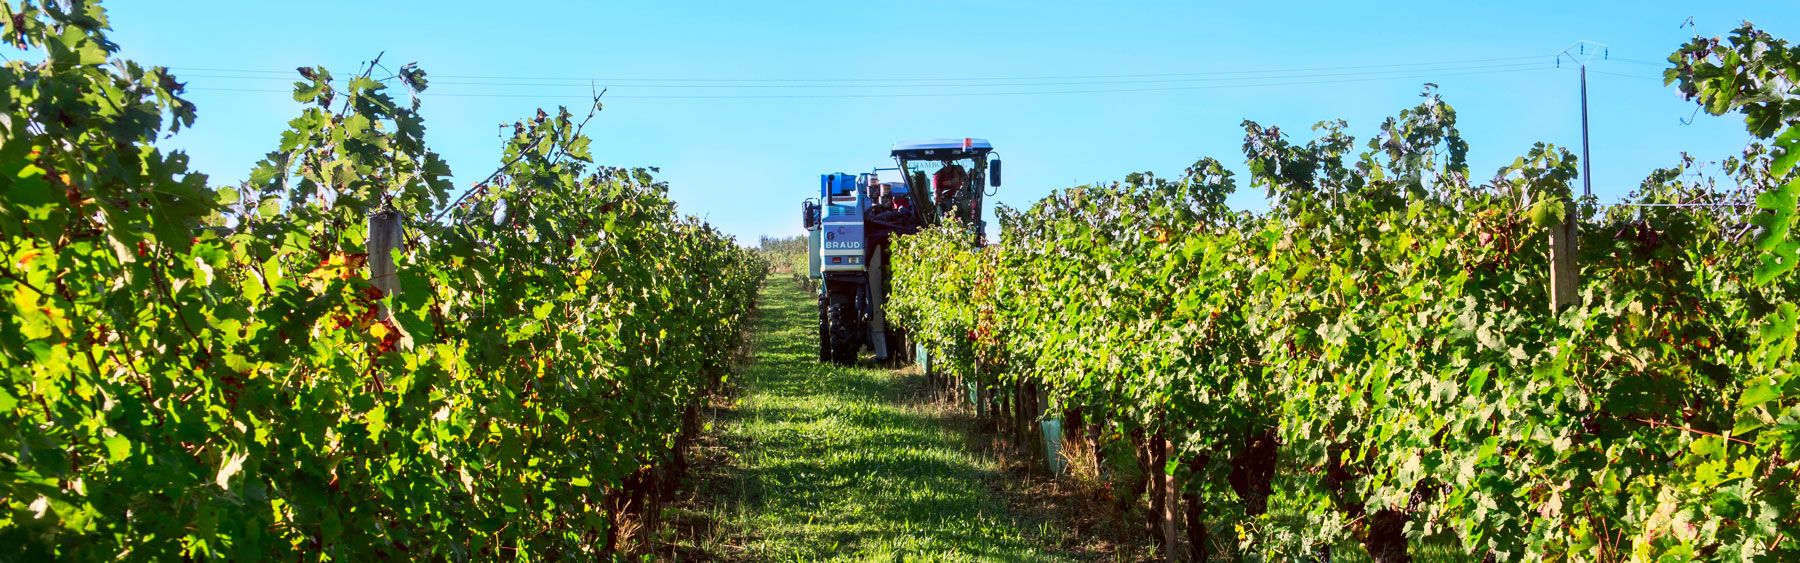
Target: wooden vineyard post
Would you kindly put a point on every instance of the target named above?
(1096, 430)
(1195, 522)
(1074, 428)
(1030, 414)
(1563, 285)
(1170, 502)
(384, 238)
(1142, 484)
(1158, 489)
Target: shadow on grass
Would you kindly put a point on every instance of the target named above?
(844, 462)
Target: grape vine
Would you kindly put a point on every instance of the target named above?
(1375, 360)
(201, 372)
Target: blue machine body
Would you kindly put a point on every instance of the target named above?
(843, 201)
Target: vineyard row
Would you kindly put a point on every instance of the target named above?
(333, 359)
(1377, 363)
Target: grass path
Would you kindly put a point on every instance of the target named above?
(830, 462)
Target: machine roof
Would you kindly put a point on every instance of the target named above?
(974, 144)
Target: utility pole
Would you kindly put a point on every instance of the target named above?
(1581, 53)
(1587, 173)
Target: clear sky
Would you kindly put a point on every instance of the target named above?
(743, 104)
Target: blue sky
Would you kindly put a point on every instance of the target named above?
(745, 163)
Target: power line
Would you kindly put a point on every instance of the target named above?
(1010, 86)
(957, 85)
(1543, 67)
(586, 79)
(1618, 74)
(1621, 74)
(1691, 205)
(1641, 61)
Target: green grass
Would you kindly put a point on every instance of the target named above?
(847, 463)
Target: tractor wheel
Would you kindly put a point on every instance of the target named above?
(824, 332)
(843, 332)
(898, 354)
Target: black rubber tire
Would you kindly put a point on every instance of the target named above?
(898, 354)
(824, 333)
(844, 334)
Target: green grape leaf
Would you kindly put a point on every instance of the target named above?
(1547, 213)
(117, 448)
(1787, 152)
